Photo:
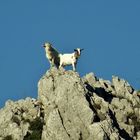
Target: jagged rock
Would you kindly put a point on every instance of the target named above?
(73, 108)
(68, 113)
(17, 119)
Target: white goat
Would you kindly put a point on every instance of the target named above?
(52, 54)
(70, 59)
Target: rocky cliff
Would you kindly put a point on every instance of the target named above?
(73, 108)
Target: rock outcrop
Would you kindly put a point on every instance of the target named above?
(73, 108)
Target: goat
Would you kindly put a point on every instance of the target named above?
(70, 59)
(52, 54)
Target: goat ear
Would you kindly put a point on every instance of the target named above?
(75, 50)
(81, 49)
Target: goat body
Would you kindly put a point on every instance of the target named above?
(70, 59)
(59, 60)
(52, 54)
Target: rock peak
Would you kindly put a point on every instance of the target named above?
(73, 108)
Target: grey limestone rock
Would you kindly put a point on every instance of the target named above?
(68, 113)
(69, 107)
(17, 119)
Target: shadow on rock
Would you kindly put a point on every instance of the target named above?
(100, 92)
(122, 132)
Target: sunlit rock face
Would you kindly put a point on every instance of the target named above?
(70, 107)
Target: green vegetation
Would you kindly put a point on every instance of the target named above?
(35, 128)
(9, 137)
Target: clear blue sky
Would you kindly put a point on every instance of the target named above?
(108, 30)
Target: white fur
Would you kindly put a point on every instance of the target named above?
(69, 59)
(59, 60)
